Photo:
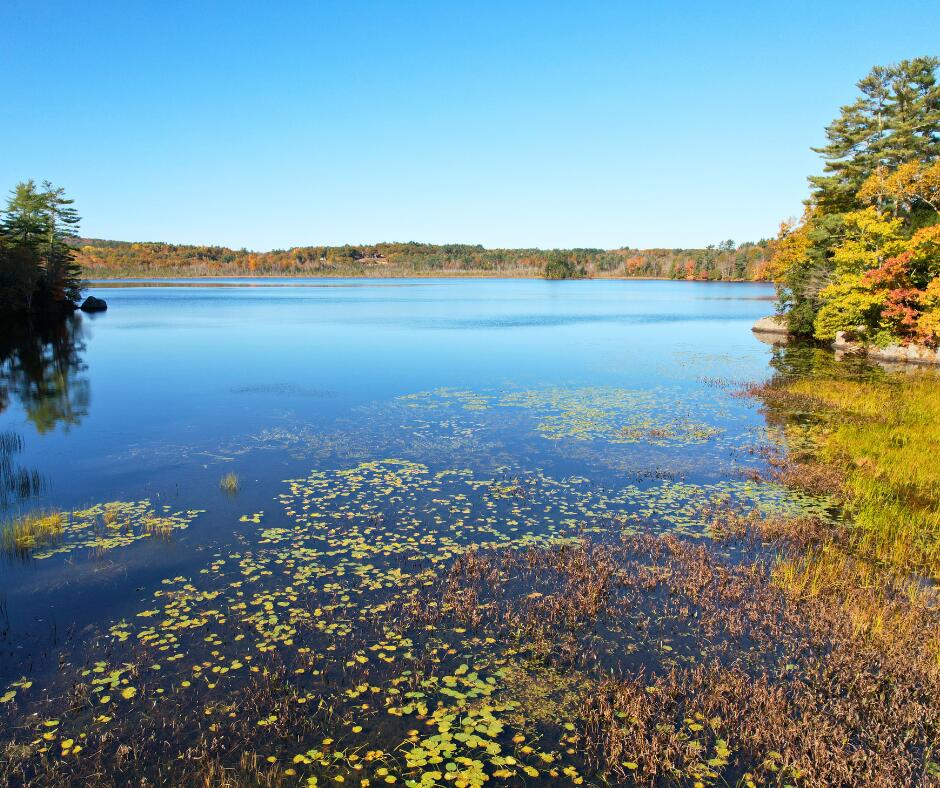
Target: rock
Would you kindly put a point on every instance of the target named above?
(92, 304)
(846, 343)
(771, 325)
(893, 354)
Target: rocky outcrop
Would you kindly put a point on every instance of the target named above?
(847, 343)
(774, 326)
(92, 304)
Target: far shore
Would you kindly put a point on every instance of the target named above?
(167, 277)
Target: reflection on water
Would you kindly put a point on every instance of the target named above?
(40, 368)
(16, 483)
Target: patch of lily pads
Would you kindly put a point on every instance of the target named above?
(611, 414)
(107, 526)
(305, 624)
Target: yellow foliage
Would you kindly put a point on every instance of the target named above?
(910, 183)
(871, 238)
(928, 325)
(790, 248)
(846, 304)
(924, 247)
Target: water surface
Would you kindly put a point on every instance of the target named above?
(405, 413)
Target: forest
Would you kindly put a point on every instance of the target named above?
(724, 261)
(864, 258)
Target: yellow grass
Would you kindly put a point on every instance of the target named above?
(30, 530)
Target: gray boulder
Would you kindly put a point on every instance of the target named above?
(848, 342)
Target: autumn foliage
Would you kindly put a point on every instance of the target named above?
(865, 256)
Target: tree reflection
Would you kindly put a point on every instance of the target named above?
(16, 483)
(40, 366)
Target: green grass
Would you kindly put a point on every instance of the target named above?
(885, 436)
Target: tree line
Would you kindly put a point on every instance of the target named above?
(723, 261)
(39, 272)
(865, 255)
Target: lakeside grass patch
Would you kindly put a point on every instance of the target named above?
(871, 441)
(878, 438)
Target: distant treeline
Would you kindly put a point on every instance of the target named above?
(724, 261)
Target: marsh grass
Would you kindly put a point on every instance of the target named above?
(22, 534)
(876, 443)
(871, 443)
(229, 483)
(890, 609)
(774, 687)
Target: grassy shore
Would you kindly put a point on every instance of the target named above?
(876, 441)
(872, 443)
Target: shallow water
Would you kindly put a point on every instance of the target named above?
(407, 412)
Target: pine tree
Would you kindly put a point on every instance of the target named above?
(62, 276)
(895, 120)
(37, 229)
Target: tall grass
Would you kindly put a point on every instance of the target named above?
(229, 483)
(885, 436)
(21, 534)
(876, 444)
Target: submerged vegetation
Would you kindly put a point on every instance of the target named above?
(396, 624)
(612, 414)
(229, 483)
(390, 622)
(98, 528)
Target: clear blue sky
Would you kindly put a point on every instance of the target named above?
(503, 123)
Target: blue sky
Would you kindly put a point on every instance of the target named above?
(502, 123)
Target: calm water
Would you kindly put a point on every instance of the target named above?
(600, 396)
(176, 385)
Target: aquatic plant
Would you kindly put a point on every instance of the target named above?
(711, 666)
(612, 414)
(398, 623)
(99, 528)
(26, 532)
(229, 483)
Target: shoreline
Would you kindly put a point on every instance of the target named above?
(773, 330)
(420, 275)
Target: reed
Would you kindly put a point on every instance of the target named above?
(229, 483)
(23, 533)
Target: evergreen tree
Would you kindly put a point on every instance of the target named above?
(38, 269)
(62, 277)
(896, 119)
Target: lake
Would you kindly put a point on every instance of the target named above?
(378, 430)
